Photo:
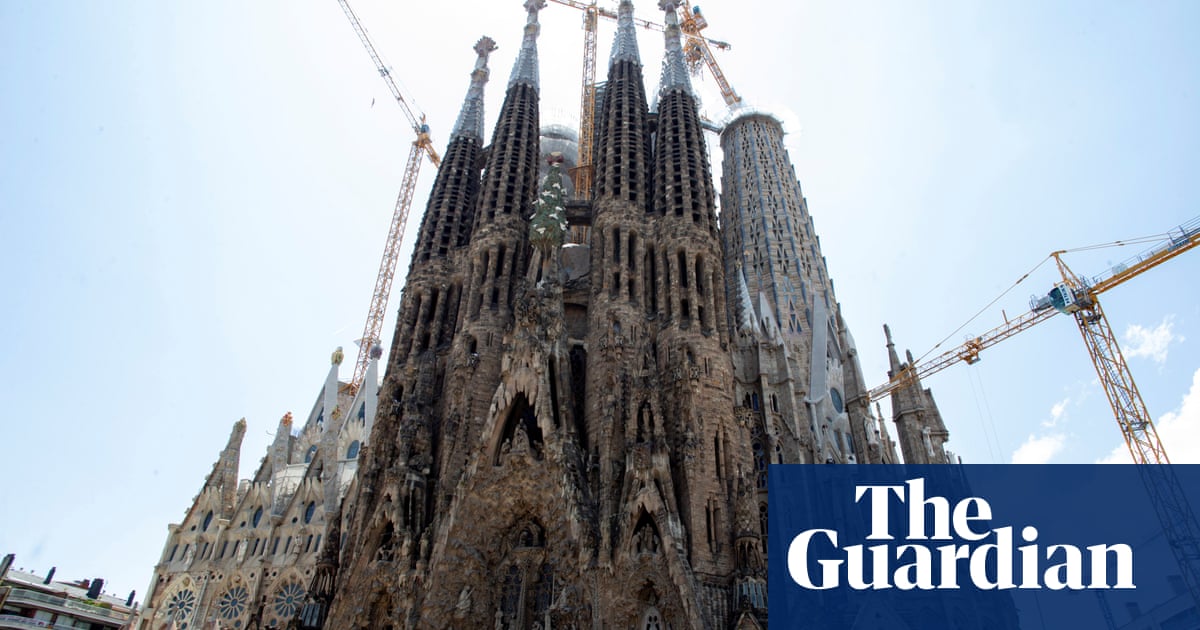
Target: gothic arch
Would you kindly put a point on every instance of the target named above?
(285, 598)
(525, 577)
(645, 537)
(519, 432)
(528, 534)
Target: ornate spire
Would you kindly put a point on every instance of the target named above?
(674, 71)
(625, 46)
(224, 475)
(525, 70)
(747, 319)
(893, 359)
(470, 118)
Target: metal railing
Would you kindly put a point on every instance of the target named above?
(19, 594)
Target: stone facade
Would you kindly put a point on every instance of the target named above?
(245, 552)
(581, 396)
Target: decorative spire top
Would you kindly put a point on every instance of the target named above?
(549, 221)
(893, 359)
(625, 46)
(525, 70)
(674, 71)
(337, 357)
(748, 320)
(470, 118)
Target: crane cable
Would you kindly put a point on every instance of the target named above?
(1153, 238)
(981, 311)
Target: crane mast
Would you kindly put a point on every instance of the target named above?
(587, 103)
(1079, 297)
(422, 147)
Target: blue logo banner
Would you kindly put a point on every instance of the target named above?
(981, 547)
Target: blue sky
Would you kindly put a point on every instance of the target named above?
(195, 196)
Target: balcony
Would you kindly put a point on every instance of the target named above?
(65, 605)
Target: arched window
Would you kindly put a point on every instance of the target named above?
(207, 521)
(257, 517)
(309, 511)
(652, 620)
(511, 594)
(544, 591)
(760, 464)
(352, 452)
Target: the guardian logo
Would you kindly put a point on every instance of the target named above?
(972, 555)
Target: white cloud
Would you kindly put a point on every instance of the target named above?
(1150, 342)
(1057, 412)
(1039, 450)
(1179, 431)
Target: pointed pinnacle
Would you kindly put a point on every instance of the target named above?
(470, 117)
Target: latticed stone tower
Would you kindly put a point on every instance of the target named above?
(798, 374)
(797, 368)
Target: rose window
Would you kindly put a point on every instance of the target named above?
(180, 606)
(232, 604)
(289, 599)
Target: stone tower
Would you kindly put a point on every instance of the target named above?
(798, 375)
(556, 444)
(919, 426)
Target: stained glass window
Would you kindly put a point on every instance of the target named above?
(232, 604)
(180, 607)
(289, 599)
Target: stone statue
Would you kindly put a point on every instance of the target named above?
(463, 608)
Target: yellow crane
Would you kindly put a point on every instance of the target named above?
(1079, 297)
(421, 147)
(696, 47)
(696, 50)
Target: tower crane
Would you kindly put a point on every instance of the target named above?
(1079, 297)
(422, 147)
(696, 48)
